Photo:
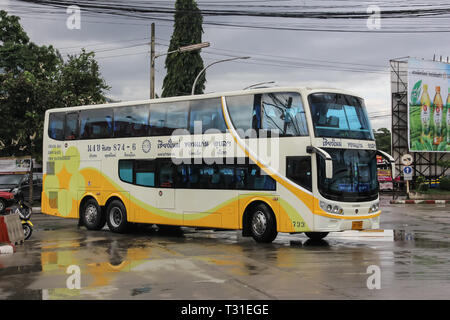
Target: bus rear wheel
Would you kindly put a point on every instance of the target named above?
(263, 226)
(116, 217)
(92, 216)
(316, 235)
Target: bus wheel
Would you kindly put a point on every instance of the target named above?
(92, 215)
(117, 217)
(263, 226)
(316, 235)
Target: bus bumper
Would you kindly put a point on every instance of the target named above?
(331, 223)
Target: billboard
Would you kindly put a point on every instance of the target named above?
(16, 165)
(428, 106)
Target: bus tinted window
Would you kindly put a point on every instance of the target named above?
(56, 126)
(145, 173)
(284, 113)
(71, 129)
(166, 117)
(298, 169)
(126, 170)
(338, 115)
(196, 176)
(165, 174)
(208, 112)
(258, 180)
(241, 112)
(131, 121)
(96, 124)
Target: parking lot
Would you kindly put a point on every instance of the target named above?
(413, 261)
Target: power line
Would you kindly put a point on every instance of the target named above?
(137, 11)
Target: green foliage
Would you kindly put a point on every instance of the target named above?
(383, 139)
(183, 68)
(444, 184)
(80, 81)
(421, 183)
(33, 79)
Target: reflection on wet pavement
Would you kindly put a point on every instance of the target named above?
(185, 263)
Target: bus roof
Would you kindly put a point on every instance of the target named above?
(303, 90)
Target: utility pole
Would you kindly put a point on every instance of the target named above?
(152, 63)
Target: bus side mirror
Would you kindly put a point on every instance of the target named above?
(328, 160)
(390, 159)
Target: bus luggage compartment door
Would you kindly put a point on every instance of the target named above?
(165, 199)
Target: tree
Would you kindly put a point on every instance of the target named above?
(33, 79)
(383, 139)
(183, 68)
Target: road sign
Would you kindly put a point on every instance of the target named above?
(407, 173)
(406, 159)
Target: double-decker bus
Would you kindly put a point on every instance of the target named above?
(262, 161)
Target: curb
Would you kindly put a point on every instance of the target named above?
(7, 249)
(419, 201)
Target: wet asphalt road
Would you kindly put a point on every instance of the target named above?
(203, 264)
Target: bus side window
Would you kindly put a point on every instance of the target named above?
(258, 180)
(131, 121)
(298, 169)
(166, 117)
(71, 128)
(208, 112)
(284, 113)
(165, 174)
(126, 170)
(96, 123)
(243, 115)
(56, 126)
(145, 173)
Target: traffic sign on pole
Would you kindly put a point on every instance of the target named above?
(407, 173)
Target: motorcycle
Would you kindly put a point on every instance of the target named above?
(24, 211)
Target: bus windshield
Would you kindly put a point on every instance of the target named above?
(338, 115)
(354, 175)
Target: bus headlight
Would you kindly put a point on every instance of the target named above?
(335, 209)
(374, 207)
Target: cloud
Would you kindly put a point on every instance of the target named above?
(314, 56)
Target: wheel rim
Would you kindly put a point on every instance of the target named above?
(26, 231)
(91, 213)
(2, 206)
(259, 223)
(116, 217)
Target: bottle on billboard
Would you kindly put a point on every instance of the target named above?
(425, 113)
(437, 117)
(448, 117)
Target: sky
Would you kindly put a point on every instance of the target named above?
(355, 61)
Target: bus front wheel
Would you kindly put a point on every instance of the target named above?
(117, 217)
(263, 226)
(316, 235)
(92, 215)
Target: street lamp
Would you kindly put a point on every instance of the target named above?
(191, 47)
(209, 65)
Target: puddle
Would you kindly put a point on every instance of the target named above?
(141, 290)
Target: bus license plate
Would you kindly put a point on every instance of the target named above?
(357, 225)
